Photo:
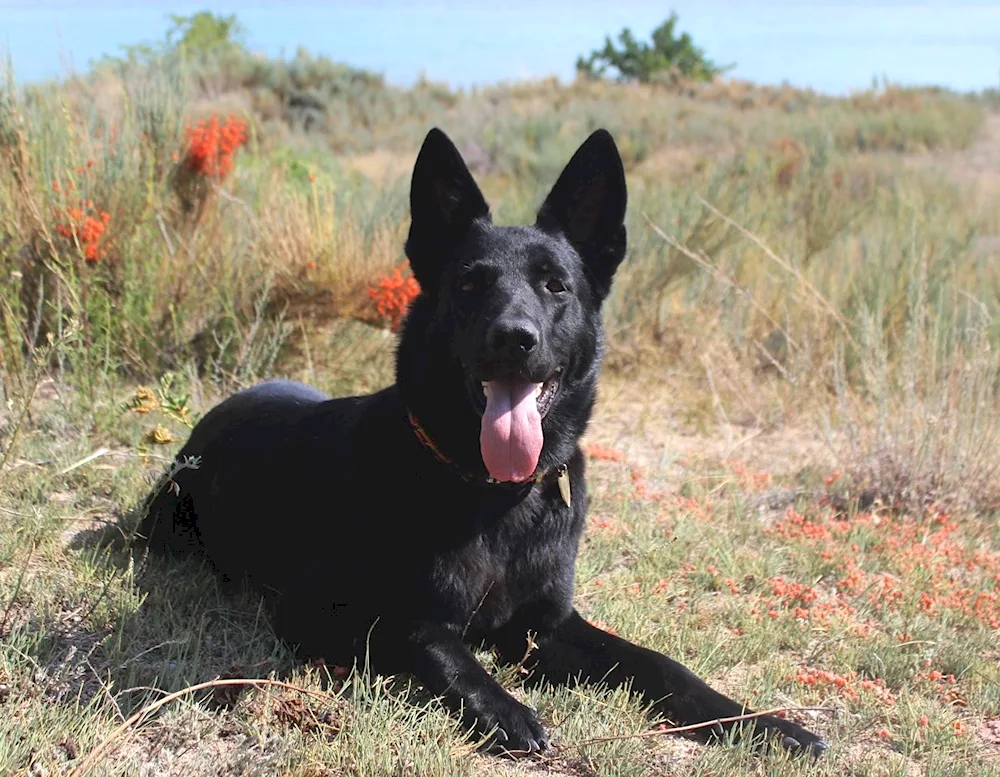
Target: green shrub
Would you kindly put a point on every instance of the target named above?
(670, 55)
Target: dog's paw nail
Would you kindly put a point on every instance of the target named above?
(791, 743)
(718, 729)
(533, 746)
(502, 735)
(819, 747)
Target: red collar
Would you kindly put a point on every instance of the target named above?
(428, 443)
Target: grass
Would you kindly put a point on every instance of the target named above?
(793, 476)
(861, 614)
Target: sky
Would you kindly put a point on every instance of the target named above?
(834, 46)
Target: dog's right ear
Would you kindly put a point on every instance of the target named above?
(444, 202)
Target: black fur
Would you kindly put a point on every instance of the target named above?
(370, 541)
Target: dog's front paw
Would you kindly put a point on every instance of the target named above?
(511, 728)
(789, 736)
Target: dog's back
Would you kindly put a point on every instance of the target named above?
(259, 415)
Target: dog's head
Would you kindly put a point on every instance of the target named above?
(516, 308)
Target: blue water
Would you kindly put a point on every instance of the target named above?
(831, 46)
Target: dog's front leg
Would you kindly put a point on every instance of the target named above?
(438, 658)
(577, 650)
(433, 653)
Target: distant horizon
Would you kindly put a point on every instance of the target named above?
(831, 47)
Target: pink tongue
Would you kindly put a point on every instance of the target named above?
(511, 436)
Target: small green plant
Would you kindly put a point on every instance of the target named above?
(670, 56)
(167, 398)
(205, 32)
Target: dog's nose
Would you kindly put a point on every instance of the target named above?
(512, 340)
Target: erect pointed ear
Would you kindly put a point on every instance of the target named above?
(444, 202)
(587, 206)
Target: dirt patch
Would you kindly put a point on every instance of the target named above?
(200, 746)
(637, 422)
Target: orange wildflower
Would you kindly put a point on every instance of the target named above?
(603, 453)
(85, 226)
(850, 685)
(211, 145)
(392, 295)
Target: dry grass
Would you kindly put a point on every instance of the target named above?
(807, 316)
(802, 606)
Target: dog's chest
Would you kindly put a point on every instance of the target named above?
(527, 556)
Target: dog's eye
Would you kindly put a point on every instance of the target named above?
(556, 286)
(467, 286)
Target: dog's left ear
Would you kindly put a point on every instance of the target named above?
(587, 206)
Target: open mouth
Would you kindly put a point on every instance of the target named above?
(511, 436)
(544, 392)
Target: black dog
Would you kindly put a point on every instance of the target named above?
(446, 510)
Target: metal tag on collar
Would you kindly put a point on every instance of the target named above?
(564, 489)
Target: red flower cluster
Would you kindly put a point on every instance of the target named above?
(392, 295)
(85, 227)
(599, 452)
(748, 479)
(946, 686)
(957, 577)
(211, 145)
(850, 685)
